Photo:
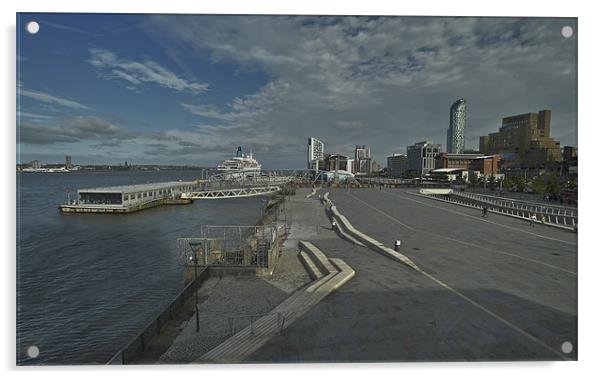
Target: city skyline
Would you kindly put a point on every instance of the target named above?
(149, 90)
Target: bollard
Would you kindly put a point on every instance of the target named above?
(334, 225)
(397, 245)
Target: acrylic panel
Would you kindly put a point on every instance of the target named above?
(274, 189)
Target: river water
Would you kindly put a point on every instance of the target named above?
(88, 283)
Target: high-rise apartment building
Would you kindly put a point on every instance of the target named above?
(457, 124)
(523, 141)
(68, 161)
(421, 157)
(315, 152)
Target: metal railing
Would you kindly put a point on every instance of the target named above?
(566, 218)
(251, 320)
(550, 210)
(231, 245)
(136, 348)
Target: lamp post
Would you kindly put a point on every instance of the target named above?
(195, 260)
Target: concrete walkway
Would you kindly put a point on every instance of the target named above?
(390, 312)
(329, 275)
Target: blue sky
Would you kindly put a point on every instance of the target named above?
(168, 89)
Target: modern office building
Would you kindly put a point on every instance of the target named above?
(68, 161)
(363, 166)
(315, 153)
(375, 167)
(363, 161)
(397, 165)
(457, 124)
(35, 164)
(361, 151)
(333, 162)
(523, 141)
(421, 157)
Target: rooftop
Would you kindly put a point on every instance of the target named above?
(137, 187)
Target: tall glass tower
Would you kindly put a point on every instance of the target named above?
(457, 123)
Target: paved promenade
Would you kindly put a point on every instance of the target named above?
(521, 283)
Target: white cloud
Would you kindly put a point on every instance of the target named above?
(34, 116)
(135, 73)
(395, 76)
(50, 99)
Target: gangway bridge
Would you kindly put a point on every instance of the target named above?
(228, 193)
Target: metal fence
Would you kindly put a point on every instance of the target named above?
(230, 245)
(136, 348)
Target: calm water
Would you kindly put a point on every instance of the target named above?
(87, 284)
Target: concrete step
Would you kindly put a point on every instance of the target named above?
(310, 266)
(317, 257)
(251, 338)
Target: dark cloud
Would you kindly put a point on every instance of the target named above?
(74, 129)
(42, 135)
(188, 144)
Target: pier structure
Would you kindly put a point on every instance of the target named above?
(128, 198)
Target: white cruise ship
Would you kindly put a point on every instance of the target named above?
(240, 165)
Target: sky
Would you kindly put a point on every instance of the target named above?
(189, 89)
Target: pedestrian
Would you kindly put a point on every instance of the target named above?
(532, 220)
(485, 211)
(543, 220)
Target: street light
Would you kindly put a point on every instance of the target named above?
(195, 259)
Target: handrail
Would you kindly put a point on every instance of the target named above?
(119, 358)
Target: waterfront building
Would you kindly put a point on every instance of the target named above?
(457, 125)
(68, 161)
(447, 160)
(569, 160)
(421, 157)
(333, 162)
(130, 195)
(315, 153)
(362, 152)
(479, 163)
(363, 161)
(397, 165)
(569, 153)
(375, 167)
(35, 164)
(487, 165)
(523, 141)
(363, 166)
